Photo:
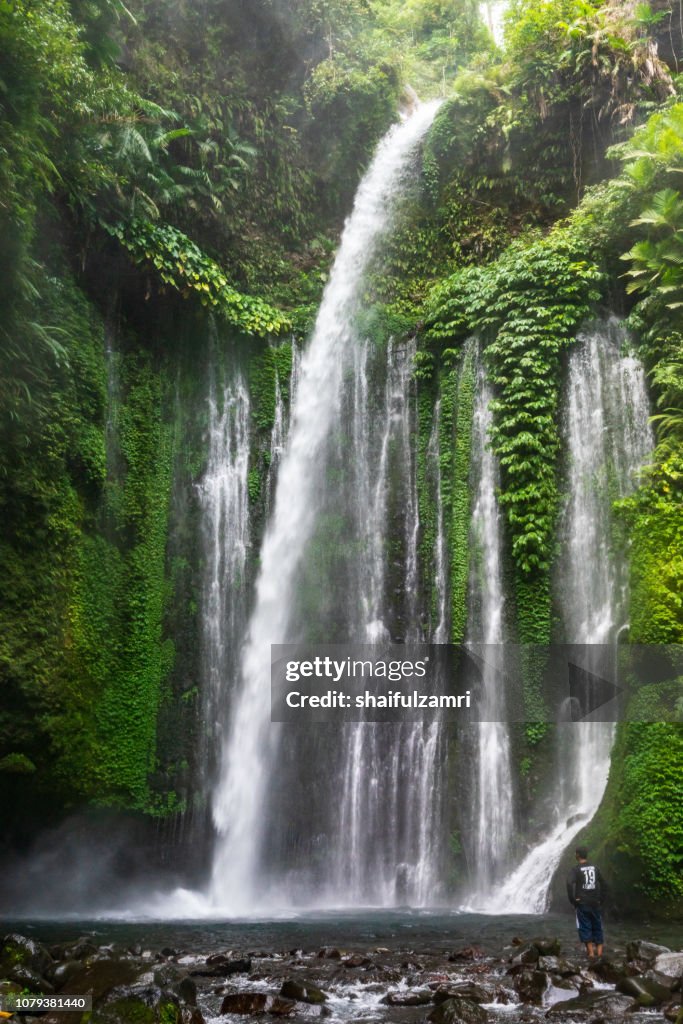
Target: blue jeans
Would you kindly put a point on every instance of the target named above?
(589, 923)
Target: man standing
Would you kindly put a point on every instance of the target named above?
(586, 890)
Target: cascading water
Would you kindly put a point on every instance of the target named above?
(385, 837)
(241, 798)
(608, 438)
(492, 793)
(440, 633)
(224, 501)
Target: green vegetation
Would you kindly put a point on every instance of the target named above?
(173, 181)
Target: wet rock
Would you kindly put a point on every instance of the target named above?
(221, 966)
(99, 976)
(248, 1003)
(467, 953)
(608, 970)
(530, 986)
(357, 960)
(528, 954)
(670, 964)
(9, 988)
(673, 1012)
(556, 965)
(191, 1015)
(464, 990)
(30, 979)
(647, 992)
(548, 947)
(600, 1005)
(303, 991)
(64, 972)
(329, 953)
(408, 997)
(168, 951)
(642, 950)
(178, 981)
(82, 949)
(458, 1011)
(20, 951)
(147, 1004)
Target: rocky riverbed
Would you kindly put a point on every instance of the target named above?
(527, 981)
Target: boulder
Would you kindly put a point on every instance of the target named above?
(530, 986)
(608, 970)
(220, 966)
(174, 978)
(548, 947)
(64, 972)
(464, 990)
(467, 953)
(250, 1003)
(303, 991)
(528, 954)
(20, 951)
(408, 997)
(458, 1011)
(357, 960)
(600, 1005)
(674, 1013)
(330, 953)
(642, 950)
(646, 991)
(30, 980)
(141, 1004)
(99, 976)
(670, 964)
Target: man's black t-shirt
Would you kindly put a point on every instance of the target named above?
(585, 886)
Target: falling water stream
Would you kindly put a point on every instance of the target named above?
(491, 812)
(608, 439)
(242, 792)
(224, 501)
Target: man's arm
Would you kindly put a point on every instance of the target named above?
(571, 886)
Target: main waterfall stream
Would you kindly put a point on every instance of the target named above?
(287, 581)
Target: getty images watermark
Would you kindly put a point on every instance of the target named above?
(476, 682)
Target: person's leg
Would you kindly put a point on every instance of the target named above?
(585, 929)
(598, 936)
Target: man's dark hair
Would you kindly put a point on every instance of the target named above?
(582, 852)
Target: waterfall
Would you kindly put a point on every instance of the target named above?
(224, 503)
(491, 788)
(492, 13)
(440, 633)
(385, 834)
(608, 437)
(240, 804)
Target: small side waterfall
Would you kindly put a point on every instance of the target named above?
(224, 501)
(608, 438)
(440, 632)
(492, 788)
(240, 798)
